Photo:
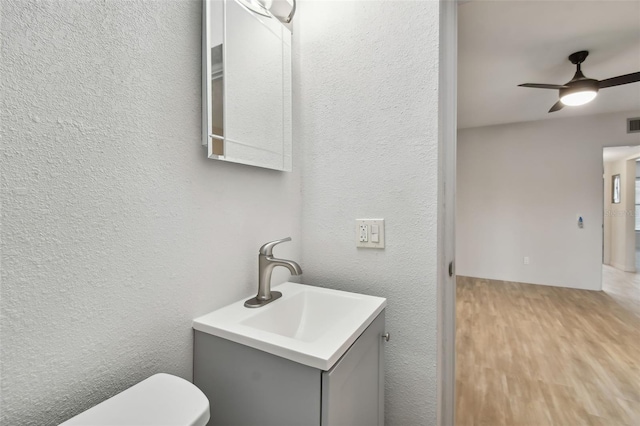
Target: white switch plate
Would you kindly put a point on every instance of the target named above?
(364, 227)
(526, 260)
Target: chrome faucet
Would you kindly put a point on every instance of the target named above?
(266, 263)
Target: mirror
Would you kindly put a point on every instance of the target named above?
(246, 85)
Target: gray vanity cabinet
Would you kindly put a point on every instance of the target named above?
(246, 386)
(353, 390)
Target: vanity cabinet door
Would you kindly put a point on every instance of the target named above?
(249, 387)
(353, 390)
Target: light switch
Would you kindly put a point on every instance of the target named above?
(370, 233)
(375, 233)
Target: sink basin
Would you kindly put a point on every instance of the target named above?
(310, 325)
(303, 316)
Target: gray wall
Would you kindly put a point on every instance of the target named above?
(116, 231)
(520, 190)
(366, 116)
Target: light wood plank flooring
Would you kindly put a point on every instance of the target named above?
(538, 355)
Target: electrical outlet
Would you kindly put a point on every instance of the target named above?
(370, 233)
(364, 233)
(526, 260)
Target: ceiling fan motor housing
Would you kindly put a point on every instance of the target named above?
(587, 84)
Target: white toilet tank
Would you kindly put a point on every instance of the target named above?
(162, 399)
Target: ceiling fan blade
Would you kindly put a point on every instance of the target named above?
(621, 79)
(543, 86)
(557, 107)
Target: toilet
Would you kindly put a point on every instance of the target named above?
(162, 399)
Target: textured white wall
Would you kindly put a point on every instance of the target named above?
(366, 91)
(116, 231)
(519, 190)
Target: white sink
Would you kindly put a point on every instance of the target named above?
(310, 325)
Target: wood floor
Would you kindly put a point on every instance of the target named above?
(538, 355)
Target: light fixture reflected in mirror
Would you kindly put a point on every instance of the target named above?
(257, 6)
(263, 8)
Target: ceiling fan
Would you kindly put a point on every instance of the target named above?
(581, 90)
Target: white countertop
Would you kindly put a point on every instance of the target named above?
(310, 325)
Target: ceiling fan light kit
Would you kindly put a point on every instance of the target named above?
(582, 90)
(575, 96)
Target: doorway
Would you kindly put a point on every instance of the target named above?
(524, 345)
(621, 183)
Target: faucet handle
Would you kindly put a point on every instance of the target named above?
(267, 249)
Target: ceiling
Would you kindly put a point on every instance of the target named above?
(620, 153)
(505, 43)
